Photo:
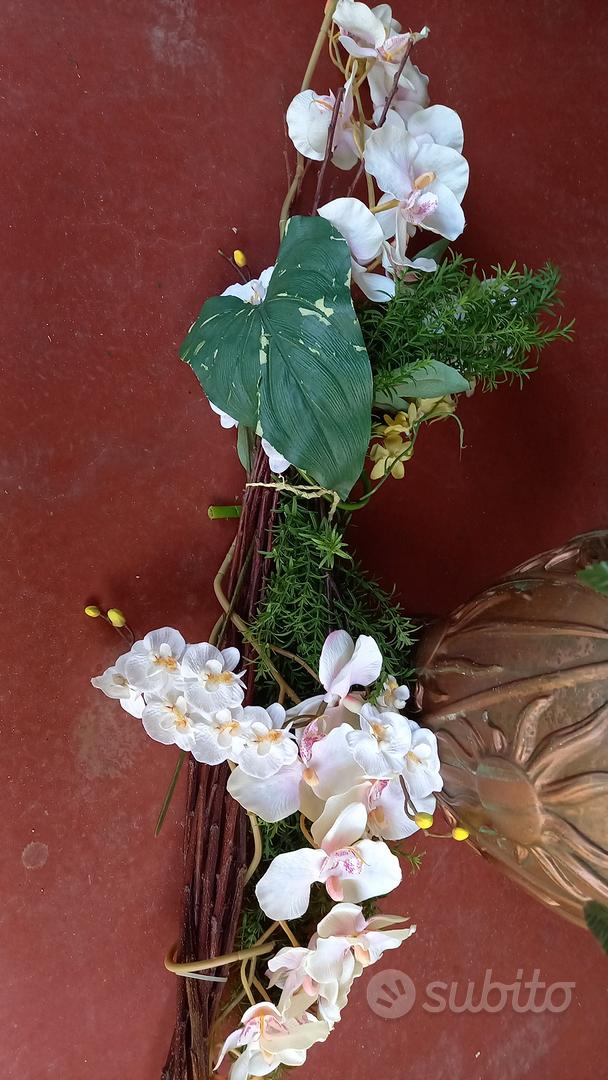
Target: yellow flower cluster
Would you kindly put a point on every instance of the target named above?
(397, 434)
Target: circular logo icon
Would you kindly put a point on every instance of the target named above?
(391, 994)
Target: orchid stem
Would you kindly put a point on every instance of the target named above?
(330, 7)
(387, 104)
(217, 513)
(329, 147)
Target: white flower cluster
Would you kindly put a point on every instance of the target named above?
(319, 977)
(415, 156)
(358, 771)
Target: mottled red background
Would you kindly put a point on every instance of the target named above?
(137, 133)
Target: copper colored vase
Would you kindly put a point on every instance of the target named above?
(515, 684)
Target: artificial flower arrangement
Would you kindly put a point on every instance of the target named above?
(328, 364)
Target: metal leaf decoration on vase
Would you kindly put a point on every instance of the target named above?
(294, 367)
(515, 684)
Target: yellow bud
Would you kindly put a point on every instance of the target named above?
(116, 617)
(92, 611)
(239, 257)
(423, 821)
(459, 833)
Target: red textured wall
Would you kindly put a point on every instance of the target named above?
(136, 134)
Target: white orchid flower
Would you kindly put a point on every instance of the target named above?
(270, 1039)
(365, 238)
(421, 768)
(384, 803)
(427, 180)
(168, 718)
(252, 291)
(345, 663)
(322, 975)
(221, 736)
(309, 120)
(369, 938)
(342, 665)
(225, 420)
(412, 91)
(329, 764)
(350, 867)
(270, 745)
(278, 463)
(381, 744)
(393, 696)
(275, 797)
(211, 680)
(372, 32)
(154, 663)
(115, 684)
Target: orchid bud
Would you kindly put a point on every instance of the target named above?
(92, 611)
(240, 258)
(116, 617)
(458, 833)
(423, 821)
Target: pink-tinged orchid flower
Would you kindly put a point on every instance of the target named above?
(369, 938)
(384, 803)
(372, 33)
(427, 181)
(350, 867)
(345, 663)
(309, 120)
(320, 975)
(270, 1039)
(342, 665)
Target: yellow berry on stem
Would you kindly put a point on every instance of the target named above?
(116, 617)
(423, 821)
(92, 611)
(240, 258)
(459, 833)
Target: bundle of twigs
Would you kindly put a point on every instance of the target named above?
(216, 827)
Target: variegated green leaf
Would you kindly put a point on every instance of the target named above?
(294, 367)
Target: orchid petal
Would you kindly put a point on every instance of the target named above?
(308, 120)
(377, 287)
(381, 872)
(337, 650)
(389, 153)
(273, 798)
(450, 167)
(442, 124)
(361, 28)
(358, 226)
(284, 890)
(447, 219)
(348, 827)
(343, 920)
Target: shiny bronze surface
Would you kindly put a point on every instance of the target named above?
(515, 684)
